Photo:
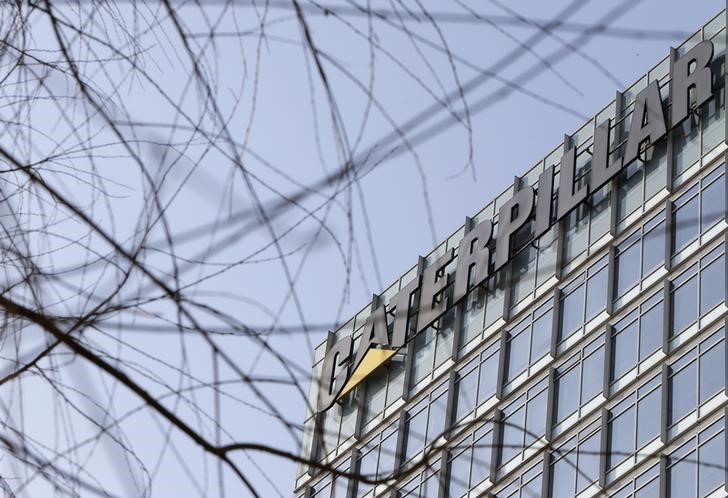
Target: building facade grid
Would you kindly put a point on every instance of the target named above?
(593, 364)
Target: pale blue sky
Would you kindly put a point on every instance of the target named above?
(566, 77)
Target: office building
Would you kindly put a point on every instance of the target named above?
(588, 357)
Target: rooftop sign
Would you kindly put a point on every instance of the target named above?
(386, 329)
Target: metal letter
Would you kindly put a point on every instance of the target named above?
(432, 298)
(375, 331)
(512, 216)
(601, 170)
(331, 381)
(682, 80)
(569, 197)
(399, 306)
(544, 204)
(473, 259)
(648, 121)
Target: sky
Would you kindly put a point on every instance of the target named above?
(462, 102)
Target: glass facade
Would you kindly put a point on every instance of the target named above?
(592, 364)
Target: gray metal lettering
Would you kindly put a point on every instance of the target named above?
(432, 299)
(399, 306)
(544, 202)
(601, 170)
(512, 216)
(683, 80)
(331, 381)
(375, 331)
(473, 258)
(569, 195)
(648, 122)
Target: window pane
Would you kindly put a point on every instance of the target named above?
(648, 417)
(332, 419)
(656, 170)
(576, 236)
(630, 189)
(572, 312)
(600, 213)
(625, 492)
(536, 418)
(547, 245)
(481, 458)
(410, 489)
(459, 472)
(444, 337)
(518, 354)
(563, 477)
(465, 394)
(349, 411)
(625, 350)
(712, 461)
(712, 371)
(627, 269)
(436, 423)
(596, 297)
(367, 467)
(533, 489)
(541, 341)
(654, 249)
(682, 477)
(712, 285)
(621, 437)
(652, 490)
(651, 325)
(684, 305)
(340, 487)
(387, 455)
(416, 428)
(685, 228)
(395, 388)
(424, 354)
(430, 486)
(376, 390)
(513, 434)
(524, 274)
(682, 392)
(712, 204)
(473, 315)
(494, 299)
(685, 146)
(322, 491)
(588, 462)
(488, 378)
(511, 491)
(713, 112)
(592, 375)
(567, 389)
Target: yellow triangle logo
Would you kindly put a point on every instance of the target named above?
(373, 359)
